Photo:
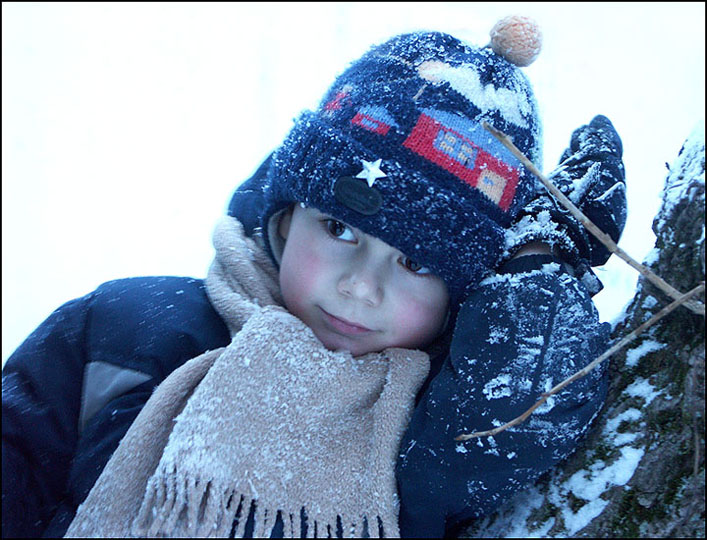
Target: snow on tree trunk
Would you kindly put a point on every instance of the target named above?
(640, 471)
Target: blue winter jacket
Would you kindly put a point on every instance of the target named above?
(73, 388)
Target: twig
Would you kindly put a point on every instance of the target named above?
(694, 306)
(581, 373)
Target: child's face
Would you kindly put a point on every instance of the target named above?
(353, 290)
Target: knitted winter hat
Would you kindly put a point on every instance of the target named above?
(397, 149)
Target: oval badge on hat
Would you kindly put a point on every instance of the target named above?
(357, 195)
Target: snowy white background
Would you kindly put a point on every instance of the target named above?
(126, 127)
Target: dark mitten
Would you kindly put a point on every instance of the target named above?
(591, 174)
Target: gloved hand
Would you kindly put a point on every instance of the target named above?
(516, 336)
(591, 174)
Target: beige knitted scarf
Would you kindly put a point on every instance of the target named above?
(274, 419)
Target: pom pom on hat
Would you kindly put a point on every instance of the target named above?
(517, 38)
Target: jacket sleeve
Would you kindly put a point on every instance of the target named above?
(41, 389)
(518, 335)
(72, 389)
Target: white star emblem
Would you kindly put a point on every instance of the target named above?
(371, 171)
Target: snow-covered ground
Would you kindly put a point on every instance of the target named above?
(127, 126)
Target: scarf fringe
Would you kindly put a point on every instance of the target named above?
(179, 506)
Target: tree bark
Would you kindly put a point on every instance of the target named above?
(640, 471)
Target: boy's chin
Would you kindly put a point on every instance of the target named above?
(354, 347)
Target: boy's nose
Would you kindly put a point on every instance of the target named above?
(362, 285)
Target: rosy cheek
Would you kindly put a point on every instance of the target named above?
(299, 274)
(417, 321)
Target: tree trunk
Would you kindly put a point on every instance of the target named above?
(640, 471)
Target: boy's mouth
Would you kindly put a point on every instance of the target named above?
(344, 326)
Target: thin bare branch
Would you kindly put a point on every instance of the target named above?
(584, 371)
(694, 306)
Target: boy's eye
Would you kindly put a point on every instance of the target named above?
(414, 267)
(340, 230)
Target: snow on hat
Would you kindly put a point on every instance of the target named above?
(397, 150)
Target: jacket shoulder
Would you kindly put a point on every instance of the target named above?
(135, 321)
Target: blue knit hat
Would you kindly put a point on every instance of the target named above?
(397, 150)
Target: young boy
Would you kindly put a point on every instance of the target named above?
(395, 223)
